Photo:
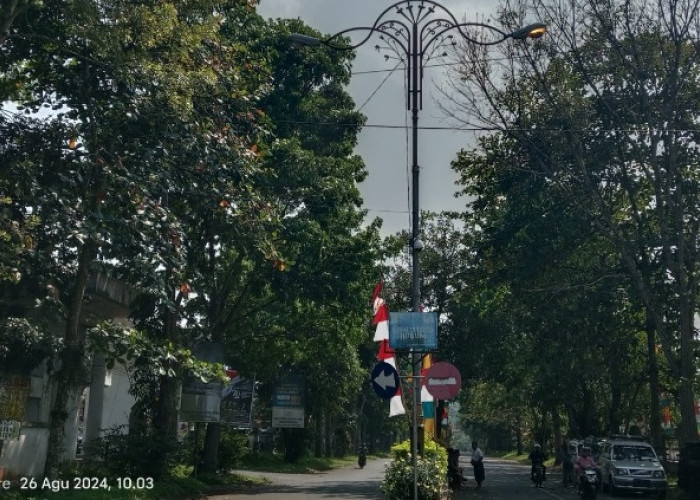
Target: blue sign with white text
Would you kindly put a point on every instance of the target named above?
(413, 330)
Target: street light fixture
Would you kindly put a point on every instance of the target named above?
(414, 32)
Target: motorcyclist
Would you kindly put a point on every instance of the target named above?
(583, 462)
(362, 456)
(537, 457)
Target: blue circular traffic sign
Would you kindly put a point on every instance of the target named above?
(385, 380)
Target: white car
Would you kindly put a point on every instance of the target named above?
(631, 465)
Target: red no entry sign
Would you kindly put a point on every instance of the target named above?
(443, 380)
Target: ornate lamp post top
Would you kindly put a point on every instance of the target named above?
(414, 30)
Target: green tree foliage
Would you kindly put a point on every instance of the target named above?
(148, 101)
(597, 128)
(187, 149)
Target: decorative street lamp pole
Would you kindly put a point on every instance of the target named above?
(414, 30)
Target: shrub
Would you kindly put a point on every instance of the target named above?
(233, 446)
(134, 454)
(431, 468)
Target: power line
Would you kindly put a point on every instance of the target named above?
(492, 129)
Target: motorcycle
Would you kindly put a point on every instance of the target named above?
(538, 476)
(362, 458)
(588, 484)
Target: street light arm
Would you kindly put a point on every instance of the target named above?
(443, 25)
(384, 28)
(436, 29)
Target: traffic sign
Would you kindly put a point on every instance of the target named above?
(443, 380)
(385, 380)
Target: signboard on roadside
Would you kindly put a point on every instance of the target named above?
(413, 330)
(200, 401)
(288, 404)
(237, 403)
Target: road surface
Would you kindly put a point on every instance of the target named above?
(504, 481)
(350, 483)
(511, 481)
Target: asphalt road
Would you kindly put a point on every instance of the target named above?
(351, 483)
(504, 481)
(511, 481)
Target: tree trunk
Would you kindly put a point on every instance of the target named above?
(211, 447)
(168, 398)
(556, 428)
(71, 364)
(616, 390)
(93, 424)
(167, 408)
(329, 437)
(654, 388)
(318, 430)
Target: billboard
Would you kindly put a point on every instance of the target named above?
(200, 401)
(288, 403)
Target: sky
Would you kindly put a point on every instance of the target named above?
(380, 95)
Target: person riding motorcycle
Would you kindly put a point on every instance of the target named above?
(583, 462)
(537, 457)
(362, 456)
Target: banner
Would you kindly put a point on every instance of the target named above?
(237, 403)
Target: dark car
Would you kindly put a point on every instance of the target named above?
(689, 469)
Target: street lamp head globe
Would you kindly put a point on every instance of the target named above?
(418, 245)
(535, 30)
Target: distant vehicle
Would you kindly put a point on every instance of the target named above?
(689, 469)
(631, 465)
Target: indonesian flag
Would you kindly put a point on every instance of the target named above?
(386, 353)
(381, 319)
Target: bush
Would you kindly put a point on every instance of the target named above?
(233, 446)
(135, 455)
(431, 468)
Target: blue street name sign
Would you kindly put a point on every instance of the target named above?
(413, 330)
(385, 380)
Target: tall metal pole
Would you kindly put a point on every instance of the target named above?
(414, 68)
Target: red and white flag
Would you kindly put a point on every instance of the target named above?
(381, 321)
(386, 353)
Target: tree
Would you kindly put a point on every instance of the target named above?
(127, 83)
(603, 111)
